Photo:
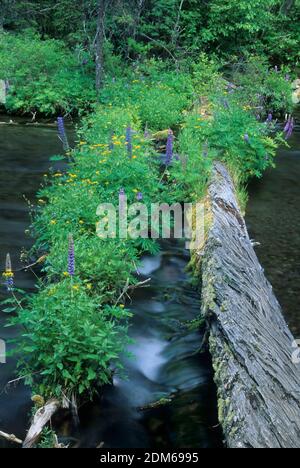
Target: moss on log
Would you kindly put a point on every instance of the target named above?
(251, 345)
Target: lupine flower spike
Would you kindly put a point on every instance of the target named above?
(169, 150)
(270, 118)
(289, 127)
(247, 138)
(8, 274)
(62, 133)
(71, 256)
(129, 141)
(139, 196)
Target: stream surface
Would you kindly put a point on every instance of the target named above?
(273, 220)
(165, 362)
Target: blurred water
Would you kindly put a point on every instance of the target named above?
(165, 362)
(273, 219)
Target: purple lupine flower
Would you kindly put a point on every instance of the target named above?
(139, 196)
(71, 256)
(169, 149)
(8, 274)
(62, 133)
(287, 77)
(270, 117)
(289, 127)
(129, 141)
(247, 138)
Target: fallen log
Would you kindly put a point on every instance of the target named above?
(250, 343)
(40, 420)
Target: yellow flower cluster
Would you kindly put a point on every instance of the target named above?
(8, 274)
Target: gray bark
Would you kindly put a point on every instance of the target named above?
(99, 53)
(251, 345)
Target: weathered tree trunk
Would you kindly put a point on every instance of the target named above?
(251, 345)
(99, 44)
(286, 6)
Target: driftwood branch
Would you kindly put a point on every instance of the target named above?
(40, 420)
(10, 438)
(132, 287)
(251, 345)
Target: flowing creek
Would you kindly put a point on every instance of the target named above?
(273, 220)
(165, 359)
(165, 362)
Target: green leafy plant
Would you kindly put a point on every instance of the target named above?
(43, 76)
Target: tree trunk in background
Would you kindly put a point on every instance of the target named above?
(286, 6)
(99, 44)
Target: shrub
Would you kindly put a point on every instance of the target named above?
(262, 88)
(69, 342)
(43, 76)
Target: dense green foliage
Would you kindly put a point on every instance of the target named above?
(43, 76)
(83, 319)
(53, 70)
(169, 28)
